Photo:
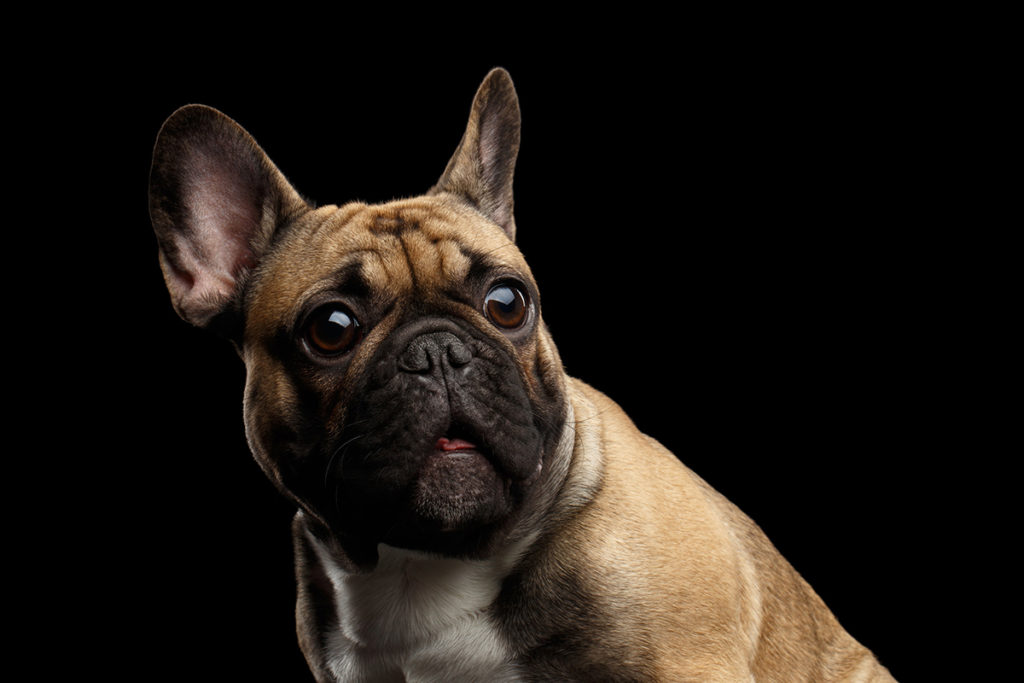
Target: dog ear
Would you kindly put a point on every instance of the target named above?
(215, 200)
(482, 167)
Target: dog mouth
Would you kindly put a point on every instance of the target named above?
(461, 440)
(454, 445)
(458, 485)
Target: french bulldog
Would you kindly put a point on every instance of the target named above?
(465, 510)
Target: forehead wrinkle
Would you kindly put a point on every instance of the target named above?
(435, 262)
(385, 267)
(453, 257)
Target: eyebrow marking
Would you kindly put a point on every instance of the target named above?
(349, 279)
(480, 264)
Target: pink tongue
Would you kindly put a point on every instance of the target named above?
(449, 445)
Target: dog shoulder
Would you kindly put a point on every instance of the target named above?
(716, 557)
(641, 573)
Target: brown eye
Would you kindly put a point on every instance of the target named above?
(332, 330)
(505, 306)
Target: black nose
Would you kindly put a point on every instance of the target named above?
(434, 350)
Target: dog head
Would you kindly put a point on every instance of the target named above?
(401, 387)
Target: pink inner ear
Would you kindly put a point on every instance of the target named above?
(224, 207)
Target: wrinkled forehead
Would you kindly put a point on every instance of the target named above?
(415, 247)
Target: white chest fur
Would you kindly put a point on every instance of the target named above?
(418, 618)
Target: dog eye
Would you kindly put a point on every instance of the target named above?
(332, 330)
(505, 306)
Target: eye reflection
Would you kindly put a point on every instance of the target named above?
(332, 330)
(505, 305)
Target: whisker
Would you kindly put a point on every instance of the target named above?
(338, 454)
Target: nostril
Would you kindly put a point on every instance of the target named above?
(458, 354)
(415, 359)
(429, 351)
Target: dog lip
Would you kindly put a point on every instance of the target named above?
(446, 445)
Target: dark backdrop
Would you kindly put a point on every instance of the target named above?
(720, 237)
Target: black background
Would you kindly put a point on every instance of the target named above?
(722, 226)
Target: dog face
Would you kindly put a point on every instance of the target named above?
(401, 387)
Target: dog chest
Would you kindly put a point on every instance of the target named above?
(416, 617)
